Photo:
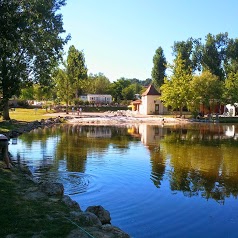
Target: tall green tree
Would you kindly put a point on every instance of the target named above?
(214, 54)
(76, 69)
(159, 68)
(231, 65)
(31, 40)
(190, 53)
(63, 87)
(176, 88)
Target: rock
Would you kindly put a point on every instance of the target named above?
(86, 218)
(58, 120)
(52, 189)
(101, 213)
(70, 203)
(117, 232)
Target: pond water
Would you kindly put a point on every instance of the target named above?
(156, 181)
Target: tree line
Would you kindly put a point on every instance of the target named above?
(201, 72)
(70, 80)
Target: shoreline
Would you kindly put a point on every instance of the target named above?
(118, 118)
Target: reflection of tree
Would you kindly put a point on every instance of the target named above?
(79, 142)
(75, 143)
(41, 135)
(202, 163)
(157, 165)
(150, 136)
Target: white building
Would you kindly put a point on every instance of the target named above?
(97, 98)
(150, 103)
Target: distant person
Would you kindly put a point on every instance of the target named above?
(4, 150)
(73, 110)
(80, 111)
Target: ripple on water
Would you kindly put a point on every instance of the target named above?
(74, 182)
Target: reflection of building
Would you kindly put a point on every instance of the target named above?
(229, 130)
(150, 134)
(99, 132)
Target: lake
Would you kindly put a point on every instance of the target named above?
(178, 181)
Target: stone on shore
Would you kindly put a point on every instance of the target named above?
(101, 213)
(52, 189)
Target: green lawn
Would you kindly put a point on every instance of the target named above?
(21, 116)
(29, 114)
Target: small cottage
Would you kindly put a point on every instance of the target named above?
(150, 103)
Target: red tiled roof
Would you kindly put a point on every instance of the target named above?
(151, 91)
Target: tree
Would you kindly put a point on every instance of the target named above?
(159, 68)
(214, 54)
(176, 88)
(76, 69)
(70, 77)
(98, 84)
(146, 82)
(117, 87)
(205, 88)
(190, 53)
(27, 93)
(63, 86)
(231, 65)
(129, 92)
(231, 88)
(30, 44)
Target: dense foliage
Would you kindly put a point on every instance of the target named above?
(208, 73)
(159, 68)
(30, 44)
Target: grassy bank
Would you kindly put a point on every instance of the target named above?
(20, 117)
(24, 217)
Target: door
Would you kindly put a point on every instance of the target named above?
(156, 109)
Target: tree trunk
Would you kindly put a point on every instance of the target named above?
(181, 110)
(67, 107)
(5, 110)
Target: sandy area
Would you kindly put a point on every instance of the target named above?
(118, 118)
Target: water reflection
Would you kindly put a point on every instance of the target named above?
(198, 160)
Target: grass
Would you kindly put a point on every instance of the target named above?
(26, 218)
(20, 117)
(28, 115)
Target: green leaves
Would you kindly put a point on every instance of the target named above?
(176, 88)
(30, 42)
(158, 70)
(231, 88)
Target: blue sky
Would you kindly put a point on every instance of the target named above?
(119, 37)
